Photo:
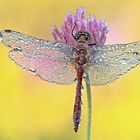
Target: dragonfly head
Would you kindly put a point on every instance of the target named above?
(82, 37)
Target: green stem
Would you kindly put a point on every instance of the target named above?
(89, 110)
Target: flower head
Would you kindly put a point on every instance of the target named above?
(77, 22)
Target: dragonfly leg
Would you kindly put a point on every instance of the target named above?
(73, 30)
(92, 44)
(95, 42)
(65, 40)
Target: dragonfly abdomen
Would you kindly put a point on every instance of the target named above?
(78, 102)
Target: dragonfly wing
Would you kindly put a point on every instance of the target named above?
(46, 59)
(35, 48)
(109, 62)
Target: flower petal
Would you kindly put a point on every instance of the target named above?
(77, 22)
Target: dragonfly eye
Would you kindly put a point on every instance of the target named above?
(82, 37)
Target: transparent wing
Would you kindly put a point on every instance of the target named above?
(46, 59)
(109, 62)
(36, 48)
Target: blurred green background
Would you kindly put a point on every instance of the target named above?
(31, 109)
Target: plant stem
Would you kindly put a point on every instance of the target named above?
(89, 108)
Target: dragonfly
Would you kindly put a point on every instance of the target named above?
(61, 63)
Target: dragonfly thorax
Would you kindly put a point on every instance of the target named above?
(80, 55)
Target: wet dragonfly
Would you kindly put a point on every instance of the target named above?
(63, 64)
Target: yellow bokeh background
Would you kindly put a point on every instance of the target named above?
(31, 109)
